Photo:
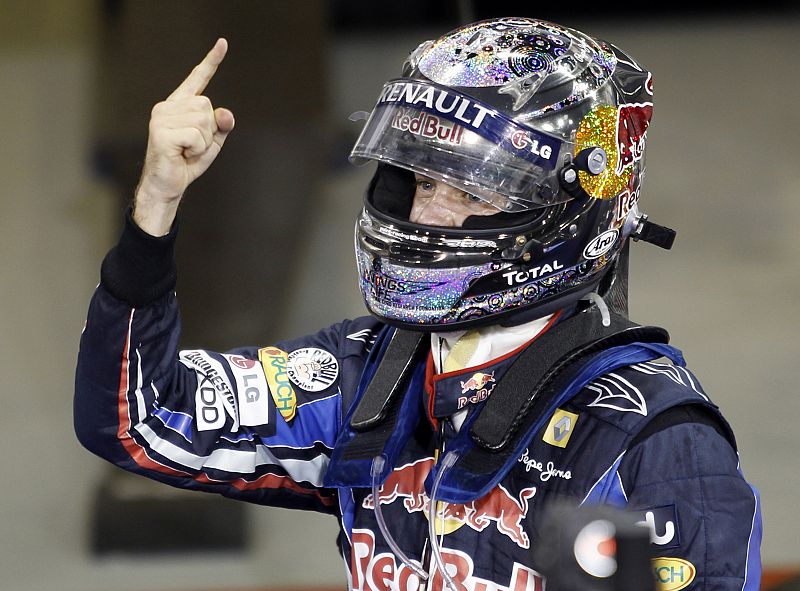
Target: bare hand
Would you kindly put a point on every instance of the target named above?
(186, 134)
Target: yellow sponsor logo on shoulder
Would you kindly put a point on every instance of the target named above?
(274, 361)
(672, 574)
(560, 428)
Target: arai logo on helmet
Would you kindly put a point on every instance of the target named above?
(601, 244)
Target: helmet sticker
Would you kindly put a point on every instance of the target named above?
(621, 133)
(601, 244)
(634, 119)
(599, 128)
(427, 125)
(439, 100)
(424, 109)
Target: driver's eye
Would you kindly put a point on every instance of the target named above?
(425, 185)
(473, 198)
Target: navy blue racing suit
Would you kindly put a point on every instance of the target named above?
(261, 424)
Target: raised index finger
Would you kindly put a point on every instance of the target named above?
(202, 73)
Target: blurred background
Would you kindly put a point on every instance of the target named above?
(266, 244)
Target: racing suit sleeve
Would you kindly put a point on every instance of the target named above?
(199, 419)
(684, 480)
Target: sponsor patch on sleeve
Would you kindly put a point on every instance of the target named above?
(251, 390)
(214, 396)
(673, 574)
(663, 525)
(312, 369)
(275, 362)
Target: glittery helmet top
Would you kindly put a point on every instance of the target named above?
(542, 121)
(519, 55)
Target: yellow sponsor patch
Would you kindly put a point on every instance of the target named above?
(274, 361)
(672, 574)
(560, 428)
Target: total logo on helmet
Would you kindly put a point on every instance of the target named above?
(499, 506)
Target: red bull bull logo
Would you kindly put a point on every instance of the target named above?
(621, 132)
(476, 389)
(407, 483)
(634, 119)
(499, 506)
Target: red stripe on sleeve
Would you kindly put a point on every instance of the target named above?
(136, 451)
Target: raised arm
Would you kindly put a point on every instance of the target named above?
(186, 134)
(195, 419)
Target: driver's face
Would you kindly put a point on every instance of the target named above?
(438, 204)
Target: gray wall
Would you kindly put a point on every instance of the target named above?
(721, 169)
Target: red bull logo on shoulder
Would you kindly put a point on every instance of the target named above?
(499, 506)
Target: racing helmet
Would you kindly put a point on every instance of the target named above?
(543, 122)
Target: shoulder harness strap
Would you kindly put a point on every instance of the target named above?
(381, 420)
(389, 381)
(534, 375)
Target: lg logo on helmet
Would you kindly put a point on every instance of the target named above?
(520, 140)
(601, 244)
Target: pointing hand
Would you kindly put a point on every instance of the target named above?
(186, 134)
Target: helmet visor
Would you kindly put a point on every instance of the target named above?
(439, 132)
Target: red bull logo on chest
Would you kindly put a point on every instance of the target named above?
(476, 389)
(373, 571)
(499, 506)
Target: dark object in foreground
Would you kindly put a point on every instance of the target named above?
(594, 548)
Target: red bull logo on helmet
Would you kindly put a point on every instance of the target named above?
(373, 571)
(621, 132)
(499, 506)
(632, 124)
(427, 125)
